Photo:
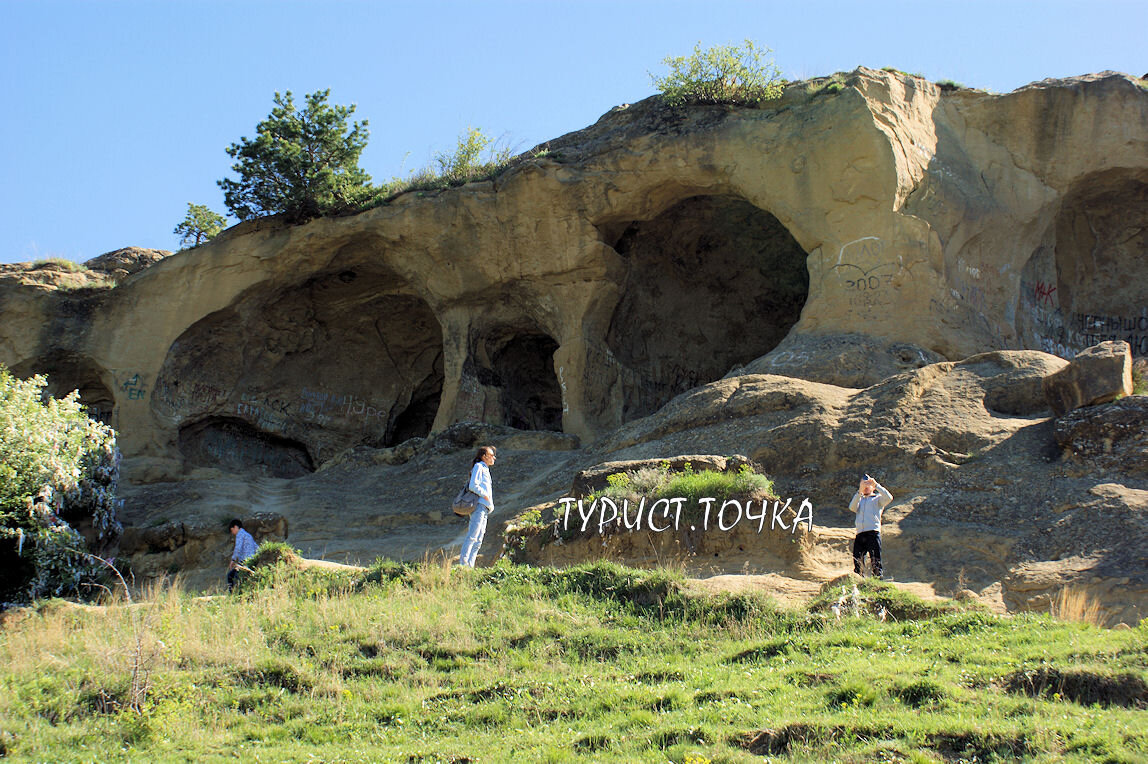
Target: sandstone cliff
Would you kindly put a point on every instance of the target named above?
(839, 239)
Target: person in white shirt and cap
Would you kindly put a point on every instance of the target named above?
(868, 504)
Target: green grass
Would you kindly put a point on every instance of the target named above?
(425, 662)
(823, 86)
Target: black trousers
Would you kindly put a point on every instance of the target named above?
(233, 576)
(867, 542)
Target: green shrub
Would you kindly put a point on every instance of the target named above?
(721, 74)
(465, 164)
(57, 467)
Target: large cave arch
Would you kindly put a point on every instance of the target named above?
(1088, 281)
(711, 283)
(346, 357)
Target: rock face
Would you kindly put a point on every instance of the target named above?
(816, 269)
(983, 499)
(838, 238)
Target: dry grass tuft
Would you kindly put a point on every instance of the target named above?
(1074, 603)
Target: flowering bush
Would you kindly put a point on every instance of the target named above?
(58, 470)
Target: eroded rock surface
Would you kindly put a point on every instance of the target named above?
(839, 238)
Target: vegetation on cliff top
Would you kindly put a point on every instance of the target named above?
(735, 74)
(302, 163)
(199, 225)
(427, 662)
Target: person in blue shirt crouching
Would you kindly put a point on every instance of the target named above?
(245, 547)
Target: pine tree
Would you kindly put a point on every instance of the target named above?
(302, 163)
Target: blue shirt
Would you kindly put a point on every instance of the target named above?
(245, 546)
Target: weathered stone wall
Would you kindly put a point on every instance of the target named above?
(838, 238)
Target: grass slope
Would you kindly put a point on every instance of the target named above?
(423, 663)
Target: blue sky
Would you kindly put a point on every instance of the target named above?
(118, 113)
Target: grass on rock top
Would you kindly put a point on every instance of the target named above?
(426, 662)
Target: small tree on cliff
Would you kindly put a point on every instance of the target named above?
(200, 225)
(302, 163)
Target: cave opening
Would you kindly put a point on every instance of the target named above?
(1101, 262)
(1087, 282)
(235, 445)
(530, 396)
(349, 356)
(67, 372)
(711, 283)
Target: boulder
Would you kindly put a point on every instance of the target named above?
(1098, 374)
(121, 263)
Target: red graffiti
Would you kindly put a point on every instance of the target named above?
(1042, 294)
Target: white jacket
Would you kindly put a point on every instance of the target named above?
(869, 508)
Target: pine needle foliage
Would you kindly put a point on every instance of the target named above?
(201, 224)
(302, 163)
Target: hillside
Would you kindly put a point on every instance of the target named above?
(873, 278)
(433, 663)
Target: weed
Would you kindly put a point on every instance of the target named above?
(58, 264)
(854, 693)
(1074, 603)
(823, 86)
(1140, 377)
(465, 164)
(920, 692)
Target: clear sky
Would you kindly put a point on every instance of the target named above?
(118, 113)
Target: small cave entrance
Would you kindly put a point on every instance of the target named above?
(67, 372)
(1088, 281)
(513, 368)
(531, 398)
(712, 283)
(233, 444)
(416, 420)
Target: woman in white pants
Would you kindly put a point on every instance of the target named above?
(481, 484)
